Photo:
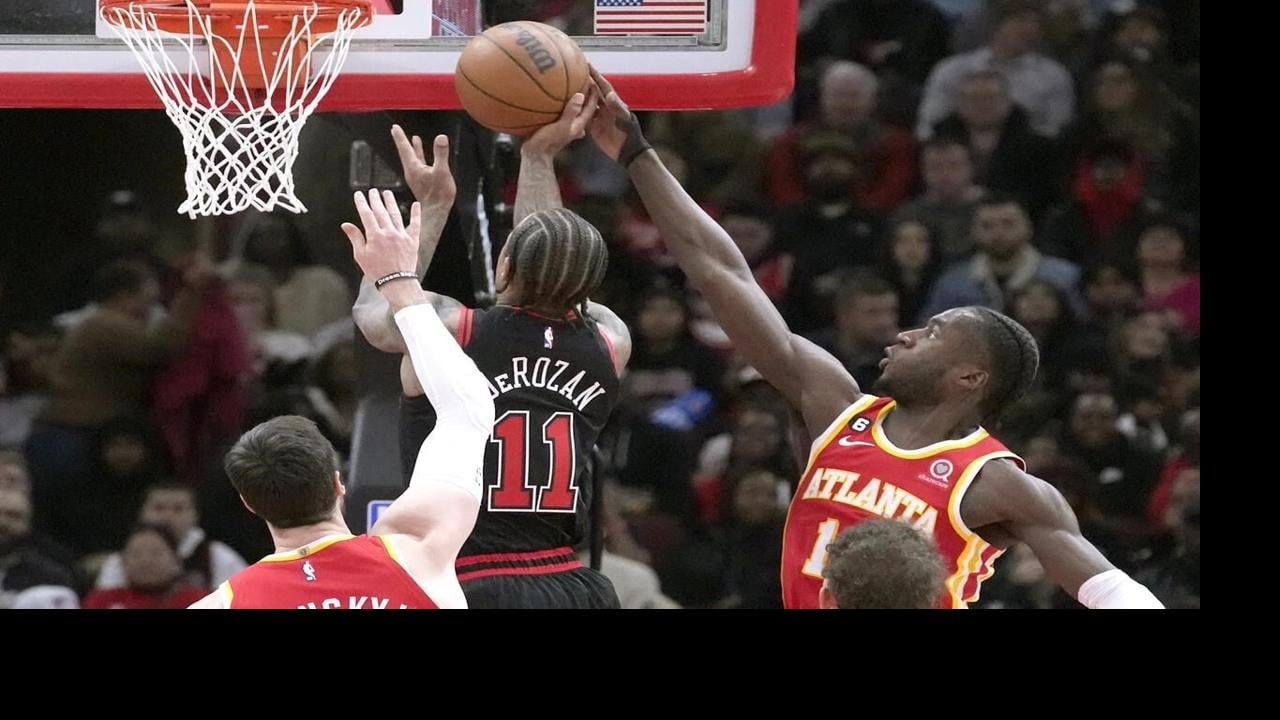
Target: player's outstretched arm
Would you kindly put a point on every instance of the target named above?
(810, 378)
(439, 509)
(1014, 503)
(434, 188)
(538, 190)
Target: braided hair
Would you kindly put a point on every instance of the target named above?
(1014, 356)
(559, 258)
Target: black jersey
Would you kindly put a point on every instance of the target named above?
(554, 385)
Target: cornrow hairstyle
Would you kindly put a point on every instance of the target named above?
(1015, 358)
(560, 260)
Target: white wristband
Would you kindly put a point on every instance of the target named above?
(1114, 590)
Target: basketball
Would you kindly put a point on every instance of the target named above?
(516, 77)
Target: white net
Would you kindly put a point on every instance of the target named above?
(240, 132)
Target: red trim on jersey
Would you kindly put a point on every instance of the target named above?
(539, 570)
(569, 315)
(513, 557)
(465, 317)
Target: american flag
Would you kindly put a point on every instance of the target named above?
(651, 17)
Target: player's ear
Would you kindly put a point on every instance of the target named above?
(503, 277)
(973, 377)
(338, 487)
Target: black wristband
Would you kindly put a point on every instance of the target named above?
(403, 274)
(635, 152)
(634, 145)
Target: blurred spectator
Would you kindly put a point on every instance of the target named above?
(1144, 33)
(637, 233)
(668, 396)
(1039, 84)
(333, 396)
(900, 37)
(204, 562)
(753, 539)
(1047, 461)
(1112, 293)
(1142, 348)
(1169, 284)
(23, 565)
(1098, 221)
(900, 40)
(107, 362)
(308, 296)
(752, 230)
(1125, 104)
(828, 232)
(866, 310)
(25, 366)
(1144, 411)
(950, 195)
(1175, 578)
(1041, 308)
(105, 370)
(729, 156)
(1008, 155)
(883, 155)
(153, 576)
(757, 440)
(13, 472)
(124, 230)
(1005, 262)
(94, 512)
(1180, 477)
(252, 289)
(625, 563)
(734, 564)
(1122, 476)
(912, 265)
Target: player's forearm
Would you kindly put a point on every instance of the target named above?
(697, 242)
(537, 188)
(434, 219)
(373, 316)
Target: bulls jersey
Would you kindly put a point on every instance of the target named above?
(855, 473)
(554, 384)
(339, 572)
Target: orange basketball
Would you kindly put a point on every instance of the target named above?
(517, 77)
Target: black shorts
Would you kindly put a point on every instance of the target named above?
(541, 580)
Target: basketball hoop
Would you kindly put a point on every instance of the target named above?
(239, 78)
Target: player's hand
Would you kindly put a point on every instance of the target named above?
(386, 246)
(615, 128)
(550, 139)
(432, 184)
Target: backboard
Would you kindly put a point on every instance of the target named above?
(59, 54)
